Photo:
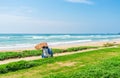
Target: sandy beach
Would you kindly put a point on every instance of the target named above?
(93, 43)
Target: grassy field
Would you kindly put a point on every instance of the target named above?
(104, 63)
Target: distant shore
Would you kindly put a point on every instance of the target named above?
(92, 43)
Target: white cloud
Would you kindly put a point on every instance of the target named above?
(81, 1)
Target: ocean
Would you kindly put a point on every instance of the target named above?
(10, 41)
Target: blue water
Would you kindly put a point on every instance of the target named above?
(30, 40)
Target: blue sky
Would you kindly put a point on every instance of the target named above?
(59, 16)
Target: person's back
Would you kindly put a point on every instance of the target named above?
(45, 51)
(50, 52)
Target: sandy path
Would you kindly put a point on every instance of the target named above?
(39, 57)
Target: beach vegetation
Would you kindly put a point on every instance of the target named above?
(28, 53)
(109, 44)
(98, 63)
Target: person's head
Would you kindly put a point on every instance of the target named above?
(45, 47)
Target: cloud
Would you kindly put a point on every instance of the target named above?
(81, 1)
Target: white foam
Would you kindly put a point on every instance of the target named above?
(26, 46)
(69, 42)
(16, 46)
(71, 37)
(5, 37)
(51, 37)
(37, 37)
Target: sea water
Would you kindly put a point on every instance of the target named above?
(8, 41)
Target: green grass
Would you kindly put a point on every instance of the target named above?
(79, 65)
(107, 69)
(28, 53)
(8, 55)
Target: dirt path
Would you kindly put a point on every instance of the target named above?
(39, 57)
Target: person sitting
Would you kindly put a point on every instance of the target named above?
(46, 52)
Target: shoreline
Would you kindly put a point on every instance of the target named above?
(92, 43)
(64, 46)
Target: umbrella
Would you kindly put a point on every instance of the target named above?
(40, 45)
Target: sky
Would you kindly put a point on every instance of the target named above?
(59, 16)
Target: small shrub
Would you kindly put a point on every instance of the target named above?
(16, 66)
(72, 49)
(57, 50)
(3, 69)
(109, 44)
(79, 48)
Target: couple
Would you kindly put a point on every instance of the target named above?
(46, 52)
